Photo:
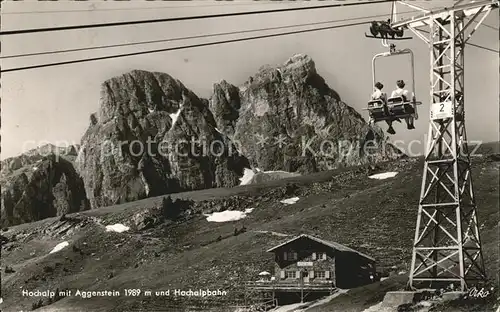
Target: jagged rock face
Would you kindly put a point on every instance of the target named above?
(44, 186)
(12, 164)
(287, 118)
(175, 129)
(225, 106)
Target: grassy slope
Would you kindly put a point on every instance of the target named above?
(374, 216)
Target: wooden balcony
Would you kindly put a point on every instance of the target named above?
(292, 286)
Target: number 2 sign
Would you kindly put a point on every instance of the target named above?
(441, 110)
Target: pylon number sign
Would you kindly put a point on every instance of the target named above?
(441, 110)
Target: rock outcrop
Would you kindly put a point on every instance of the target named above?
(169, 211)
(12, 164)
(153, 136)
(287, 118)
(38, 186)
(226, 106)
(266, 176)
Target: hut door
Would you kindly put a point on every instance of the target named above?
(305, 276)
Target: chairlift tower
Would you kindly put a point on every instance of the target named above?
(447, 244)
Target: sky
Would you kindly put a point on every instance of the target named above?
(53, 104)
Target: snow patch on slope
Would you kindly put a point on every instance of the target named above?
(289, 201)
(59, 247)
(384, 175)
(119, 228)
(175, 116)
(247, 176)
(228, 215)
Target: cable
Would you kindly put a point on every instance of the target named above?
(481, 47)
(221, 3)
(471, 44)
(489, 26)
(197, 46)
(189, 37)
(484, 24)
(180, 47)
(253, 2)
(183, 18)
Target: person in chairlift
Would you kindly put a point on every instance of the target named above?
(379, 95)
(401, 92)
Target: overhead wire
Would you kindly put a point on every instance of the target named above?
(195, 45)
(484, 24)
(220, 3)
(468, 43)
(488, 26)
(194, 5)
(241, 3)
(484, 48)
(190, 37)
(182, 47)
(184, 18)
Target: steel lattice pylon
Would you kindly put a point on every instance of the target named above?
(447, 244)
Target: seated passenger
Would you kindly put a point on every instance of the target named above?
(401, 92)
(379, 95)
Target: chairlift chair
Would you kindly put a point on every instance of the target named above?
(397, 107)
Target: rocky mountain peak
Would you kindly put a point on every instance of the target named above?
(300, 63)
(133, 149)
(285, 107)
(139, 93)
(153, 136)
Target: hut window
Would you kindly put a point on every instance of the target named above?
(290, 274)
(319, 274)
(322, 255)
(290, 255)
